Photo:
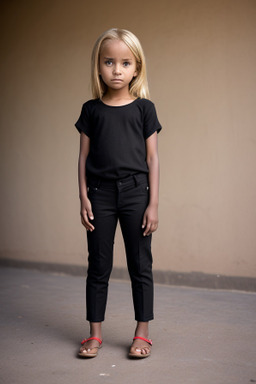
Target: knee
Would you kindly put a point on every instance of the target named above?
(99, 269)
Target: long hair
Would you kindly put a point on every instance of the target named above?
(138, 87)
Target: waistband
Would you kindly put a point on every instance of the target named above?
(135, 179)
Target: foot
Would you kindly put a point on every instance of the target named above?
(90, 347)
(140, 347)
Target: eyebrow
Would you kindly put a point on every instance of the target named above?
(111, 58)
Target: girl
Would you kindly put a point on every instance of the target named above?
(118, 180)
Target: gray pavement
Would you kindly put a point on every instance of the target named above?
(199, 335)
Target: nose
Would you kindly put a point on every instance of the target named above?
(117, 69)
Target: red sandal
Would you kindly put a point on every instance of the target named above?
(84, 352)
(140, 355)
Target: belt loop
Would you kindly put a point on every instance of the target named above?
(135, 180)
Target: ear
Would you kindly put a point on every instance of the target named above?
(135, 74)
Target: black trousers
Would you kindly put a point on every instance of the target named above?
(124, 200)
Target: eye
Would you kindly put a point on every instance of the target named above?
(108, 63)
(126, 63)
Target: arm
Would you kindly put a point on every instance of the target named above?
(150, 219)
(86, 208)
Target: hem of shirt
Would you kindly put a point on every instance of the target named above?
(153, 131)
(94, 176)
(80, 130)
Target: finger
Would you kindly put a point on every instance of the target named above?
(148, 230)
(90, 214)
(144, 221)
(151, 227)
(86, 223)
(90, 228)
(154, 227)
(83, 221)
(91, 217)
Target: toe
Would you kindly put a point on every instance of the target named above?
(139, 349)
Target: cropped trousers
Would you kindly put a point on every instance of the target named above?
(124, 200)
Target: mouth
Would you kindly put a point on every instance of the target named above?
(116, 80)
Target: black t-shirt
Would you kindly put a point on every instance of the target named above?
(117, 137)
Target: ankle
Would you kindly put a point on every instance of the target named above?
(145, 335)
(142, 330)
(95, 330)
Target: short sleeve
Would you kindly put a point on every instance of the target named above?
(83, 123)
(151, 123)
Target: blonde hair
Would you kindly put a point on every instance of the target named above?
(139, 85)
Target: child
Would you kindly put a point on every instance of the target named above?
(118, 180)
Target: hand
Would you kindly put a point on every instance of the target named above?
(86, 214)
(150, 220)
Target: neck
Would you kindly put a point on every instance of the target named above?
(117, 96)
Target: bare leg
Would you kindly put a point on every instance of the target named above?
(95, 331)
(140, 346)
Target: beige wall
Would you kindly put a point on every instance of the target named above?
(201, 63)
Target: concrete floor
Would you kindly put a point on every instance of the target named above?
(199, 336)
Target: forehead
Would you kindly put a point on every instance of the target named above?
(115, 49)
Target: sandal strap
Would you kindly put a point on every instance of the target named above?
(149, 341)
(91, 338)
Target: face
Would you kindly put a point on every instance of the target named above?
(117, 65)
